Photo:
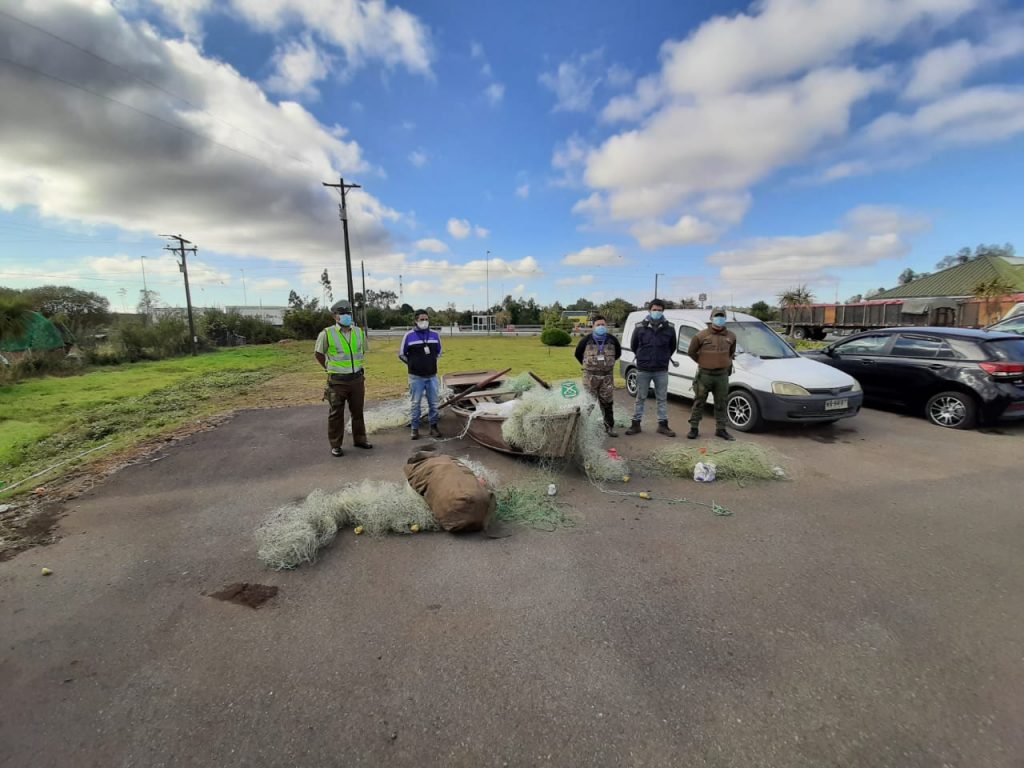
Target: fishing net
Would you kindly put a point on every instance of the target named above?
(391, 414)
(519, 383)
(743, 462)
(293, 534)
(528, 503)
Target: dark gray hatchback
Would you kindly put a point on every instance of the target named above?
(957, 377)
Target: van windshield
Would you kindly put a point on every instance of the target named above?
(759, 340)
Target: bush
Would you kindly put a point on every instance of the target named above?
(167, 337)
(306, 323)
(219, 328)
(555, 337)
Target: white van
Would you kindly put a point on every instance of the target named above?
(770, 381)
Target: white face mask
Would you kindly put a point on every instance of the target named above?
(423, 324)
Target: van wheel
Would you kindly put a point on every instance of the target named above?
(631, 385)
(954, 410)
(742, 411)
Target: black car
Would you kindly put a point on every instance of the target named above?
(957, 377)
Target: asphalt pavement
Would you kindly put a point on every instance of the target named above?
(867, 612)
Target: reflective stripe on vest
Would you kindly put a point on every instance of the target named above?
(343, 357)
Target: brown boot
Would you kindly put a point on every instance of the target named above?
(664, 430)
(634, 428)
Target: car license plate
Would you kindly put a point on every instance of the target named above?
(837, 405)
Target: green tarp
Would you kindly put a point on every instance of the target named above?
(40, 336)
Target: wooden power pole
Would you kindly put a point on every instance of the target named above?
(342, 187)
(180, 249)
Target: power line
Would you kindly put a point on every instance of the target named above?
(150, 83)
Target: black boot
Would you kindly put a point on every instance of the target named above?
(609, 420)
(634, 428)
(664, 429)
(693, 434)
(722, 433)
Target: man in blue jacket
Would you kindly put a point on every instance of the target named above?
(419, 351)
(653, 343)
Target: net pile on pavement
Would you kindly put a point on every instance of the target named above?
(392, 414)
(742, 462)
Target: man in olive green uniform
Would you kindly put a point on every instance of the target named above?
(341, 350)
(713, 349)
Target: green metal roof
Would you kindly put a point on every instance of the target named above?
(960, 280)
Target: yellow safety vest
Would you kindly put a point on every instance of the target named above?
(342, 356)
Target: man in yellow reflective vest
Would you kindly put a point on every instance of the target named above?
(341, 350)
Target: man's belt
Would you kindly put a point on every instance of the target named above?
(338, 378)
(714, 370)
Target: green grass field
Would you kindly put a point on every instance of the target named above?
(43, 421)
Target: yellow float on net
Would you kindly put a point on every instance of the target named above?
(644, 495)
(358, 530)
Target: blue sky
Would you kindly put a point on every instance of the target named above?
(735, 149)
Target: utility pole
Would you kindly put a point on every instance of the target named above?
(245, 296)
(183, 266)
(341, 186)
(362, 270)
(656, 275)
(487, 311)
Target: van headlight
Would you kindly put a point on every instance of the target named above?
(790, 389)
(856, 386)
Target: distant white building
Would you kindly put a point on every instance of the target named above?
(272, 315)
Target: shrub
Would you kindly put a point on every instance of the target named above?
(555, 337)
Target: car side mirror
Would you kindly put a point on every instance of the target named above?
(830, 351)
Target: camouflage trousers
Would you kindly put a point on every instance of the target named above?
(600, 385)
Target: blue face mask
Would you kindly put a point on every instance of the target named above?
(718, 321)
(600, 330)
(345, 320)
(656, 315)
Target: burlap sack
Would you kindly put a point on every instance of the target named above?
(459, 501)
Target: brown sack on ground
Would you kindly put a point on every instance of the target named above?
(454, 494)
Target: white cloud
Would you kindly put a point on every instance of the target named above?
(494, 93)
(573, 82)
(432, 245)
(649, 171)
(460, 229)
(943, 69)
(980, 114)
(71, 156)
(183, 14)
(481, 232)
(476, 50)
(270, 284)
(769, 265)
(726, 208)
(618, 76)
(298, 65)
(519, 290)
(569, 158)
(418, 158)
(523, 191)
(596, 256)
(200, 272)
(726, 54)
(688, 230)
(578, 280)
(633, 106)
(363, 30)
(593, 205)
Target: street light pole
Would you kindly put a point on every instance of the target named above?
(656, 275)
(487, 272)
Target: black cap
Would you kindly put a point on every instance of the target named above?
(340, 307)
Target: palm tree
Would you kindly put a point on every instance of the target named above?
(795, 297)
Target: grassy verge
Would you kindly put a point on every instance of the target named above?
(44, 421)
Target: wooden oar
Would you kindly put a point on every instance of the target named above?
(539, 380)
(474, 388)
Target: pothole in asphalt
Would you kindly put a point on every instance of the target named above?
(244, 593)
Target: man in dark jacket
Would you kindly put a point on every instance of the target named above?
(653, 342)
(420, 350)
(713, 349)
(597, 353)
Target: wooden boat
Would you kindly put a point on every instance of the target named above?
(485, 428)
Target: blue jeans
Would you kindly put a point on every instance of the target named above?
(643, 384)
(418, 385)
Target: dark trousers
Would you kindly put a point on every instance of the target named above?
(717, 383)
(337, 394)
